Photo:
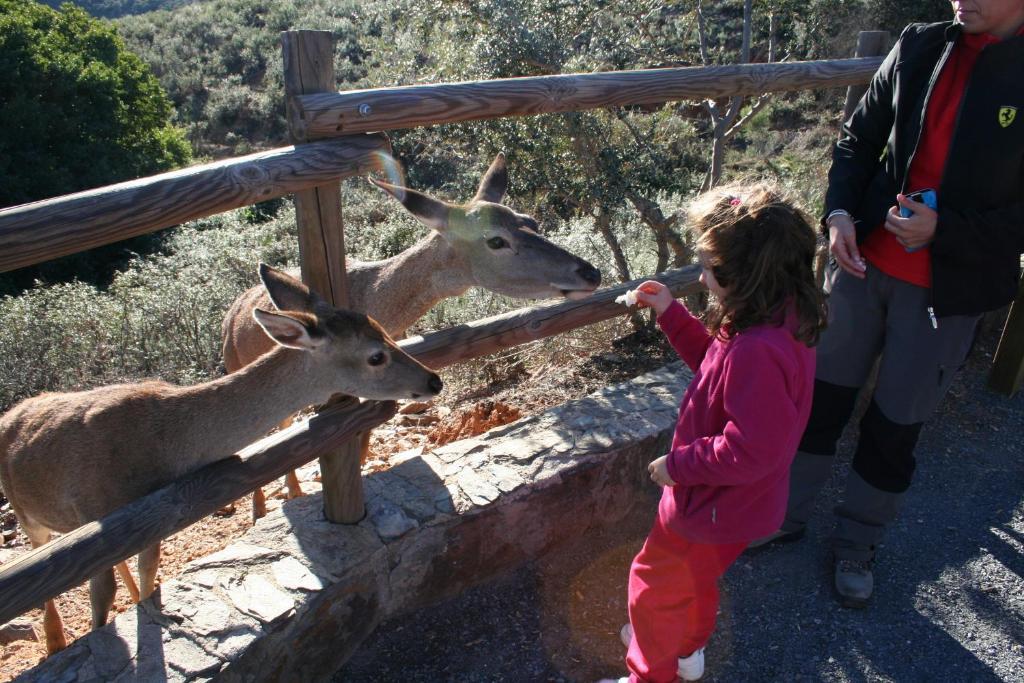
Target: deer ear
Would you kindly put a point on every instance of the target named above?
(495, 182)
(296, 331)
(286, 292)
(431, 212)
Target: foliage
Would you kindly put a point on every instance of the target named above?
(893, 15)
(79, 111)
(159, 318)
(111, 9)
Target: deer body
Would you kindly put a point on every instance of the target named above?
(481, 243)
(396, 292)
(70, 458)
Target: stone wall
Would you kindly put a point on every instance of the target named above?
(294, 597)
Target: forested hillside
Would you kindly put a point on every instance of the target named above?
(111, 9)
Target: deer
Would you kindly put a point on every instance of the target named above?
(67, 459)
(481, 243)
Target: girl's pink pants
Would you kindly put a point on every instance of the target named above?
(673, 601)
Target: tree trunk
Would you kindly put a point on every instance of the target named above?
(652, 216)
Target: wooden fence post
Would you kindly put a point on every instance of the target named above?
(308, 69)
(869, 44)
(1007, 374)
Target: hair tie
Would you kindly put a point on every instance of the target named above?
(735, 201)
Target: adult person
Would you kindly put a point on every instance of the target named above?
(945, 111)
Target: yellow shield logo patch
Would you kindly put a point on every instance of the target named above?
(1007, 115)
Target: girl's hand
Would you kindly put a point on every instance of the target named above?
(916, 230)
(659, 472)
(654, 294)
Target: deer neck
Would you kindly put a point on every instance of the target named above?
(398, 291)
(229, 413)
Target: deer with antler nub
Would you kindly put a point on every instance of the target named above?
(481, 243)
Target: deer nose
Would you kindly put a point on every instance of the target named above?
(435, 384)
(589, 274)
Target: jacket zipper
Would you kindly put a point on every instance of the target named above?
(917, 141)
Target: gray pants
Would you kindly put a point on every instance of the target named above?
(886, 320)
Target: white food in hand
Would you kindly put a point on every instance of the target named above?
(627, 299)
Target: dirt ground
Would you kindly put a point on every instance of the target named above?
(505, 392)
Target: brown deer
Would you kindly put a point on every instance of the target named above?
(482, 243)
(69, 458)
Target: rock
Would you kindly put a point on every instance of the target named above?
(19, 629)
(259, 598)
(292, 574)
(414, 407)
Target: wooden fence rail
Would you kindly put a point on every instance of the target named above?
(325, 115)
(44, 230)
(62, 564)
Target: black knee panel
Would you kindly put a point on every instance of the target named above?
(830, 411)
(885, 452)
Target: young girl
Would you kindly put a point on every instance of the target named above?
(725, 478)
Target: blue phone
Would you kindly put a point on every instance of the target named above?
(926, 197)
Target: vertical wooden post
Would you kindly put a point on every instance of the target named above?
(869, 44)
(309, 68)
(1007, 374)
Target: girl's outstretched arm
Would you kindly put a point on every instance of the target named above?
(685, 333)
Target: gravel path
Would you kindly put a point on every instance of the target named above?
(949, 603)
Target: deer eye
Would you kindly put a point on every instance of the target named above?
(497, 243)
(377, 359)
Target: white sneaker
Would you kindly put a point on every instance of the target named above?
(690, 668)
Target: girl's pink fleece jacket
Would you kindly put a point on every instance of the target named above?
(740, 422)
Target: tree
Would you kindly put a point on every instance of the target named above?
(79, 111)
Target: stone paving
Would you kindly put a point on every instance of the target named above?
(294, 597)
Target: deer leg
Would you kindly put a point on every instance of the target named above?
(291, 480)
(149, 562)
(53, 625)
(129, 582)
(101, 596)
(259, 499)
(259, 504)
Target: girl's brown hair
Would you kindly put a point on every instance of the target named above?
(760, 248)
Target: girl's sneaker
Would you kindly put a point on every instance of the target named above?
(690, 668)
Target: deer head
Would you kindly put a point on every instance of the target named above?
(502, 248)
(349, 347)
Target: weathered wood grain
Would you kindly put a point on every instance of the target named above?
(309, 68)
(44, 230)
(68, 561)
(331, 114)
(1007, 375)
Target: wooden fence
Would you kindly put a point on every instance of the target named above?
(311, 169)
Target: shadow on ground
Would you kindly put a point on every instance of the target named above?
(949, 603)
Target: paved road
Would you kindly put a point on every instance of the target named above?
(949, 604)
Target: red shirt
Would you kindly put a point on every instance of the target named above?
(740, 423)
(881, 247)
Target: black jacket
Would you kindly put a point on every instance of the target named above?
(979, 236)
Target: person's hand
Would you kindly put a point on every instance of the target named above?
(842, 242)
(659, 472)
(654, 294)
(916, 230)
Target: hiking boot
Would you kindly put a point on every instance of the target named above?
(778, 538)
(854, 582)
(690, 668)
